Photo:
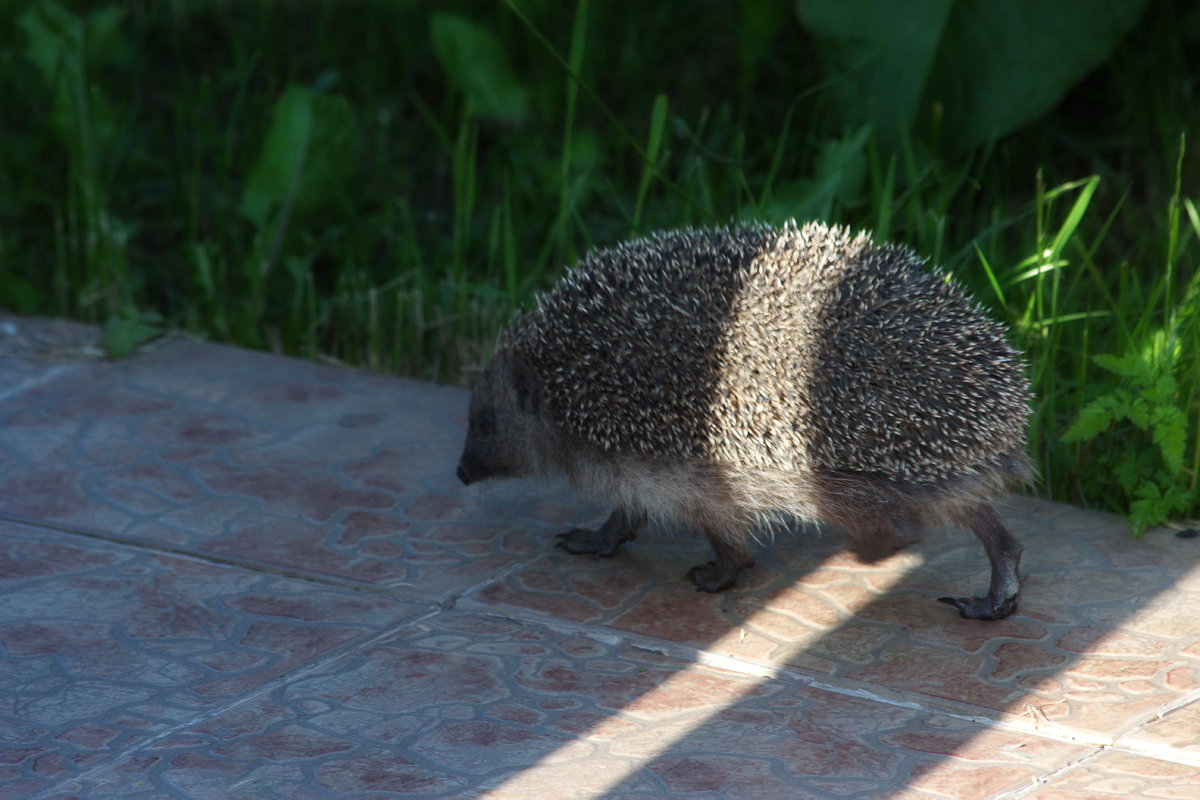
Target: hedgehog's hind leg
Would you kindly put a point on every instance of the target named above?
(1004, 553)
(721, 573)
(621, 526)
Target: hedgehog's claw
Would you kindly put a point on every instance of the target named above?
(585, 541)
(605, 541)
(982, 607)
(1004, 554)
(712, 577)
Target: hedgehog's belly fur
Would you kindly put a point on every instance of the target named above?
(737, 504)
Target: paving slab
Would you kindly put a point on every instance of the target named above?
(229, 574)
(506, 710)
(33, 348)
(1177, 731)
(261, 460)
(1100, 640)
(103, 648)
(1123, 775)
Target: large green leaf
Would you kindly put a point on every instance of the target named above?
(989, 66)
(307, 154)
(63, 46)
(878, 54)
(475, 63)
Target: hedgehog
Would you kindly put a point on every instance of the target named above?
(729, 381)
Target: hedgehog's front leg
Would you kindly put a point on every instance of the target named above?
(621, 526)
(721, 573)
(1004, 553)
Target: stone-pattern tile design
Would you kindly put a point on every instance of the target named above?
(33, 349)
(103, 648)
(225, 574)
(463, 706)
(1178, 730)
(1098, 639)
(271, 461)
(1123, 775)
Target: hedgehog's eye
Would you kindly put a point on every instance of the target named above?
(483, 423)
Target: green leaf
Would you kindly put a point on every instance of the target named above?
(840, 174)
(1152, 505)
(1130, 366)
(1129, 473)
(307, 155)
(990, 67)
(125, 332)
(62, 46)
(1094, 418)
(1002, 65)
(1146, 509)
(1170, 434)
(1139, 412)
(476, 64)
(879, 55)
(54, 40)
(1163, 390)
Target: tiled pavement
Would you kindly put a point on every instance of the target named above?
(230, 575)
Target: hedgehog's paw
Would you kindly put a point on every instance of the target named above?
(712, 577)
(716, 576)
(982, 607)
(585, 541)
(605, 541)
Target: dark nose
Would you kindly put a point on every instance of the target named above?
(463, 476)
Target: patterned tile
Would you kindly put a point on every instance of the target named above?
(1178, 730)
(33, 349)
(214, 562)
(103, 647)
(1117, 774)
(262, 460)
(1097, 642)
(472, 707)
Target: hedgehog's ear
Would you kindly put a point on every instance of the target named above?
(525, 385)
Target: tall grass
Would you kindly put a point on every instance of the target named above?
(385, 184)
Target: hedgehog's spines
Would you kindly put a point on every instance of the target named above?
(798, 348)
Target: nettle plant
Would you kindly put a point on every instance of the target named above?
(1140, 430)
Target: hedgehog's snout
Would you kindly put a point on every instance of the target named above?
(473, 465)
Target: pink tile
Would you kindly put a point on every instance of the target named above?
(1124, 775)
(262, 460)
(1178, 729)
(478, 707)
(1095, 645)
(102, 647)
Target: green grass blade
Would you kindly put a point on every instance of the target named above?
(658, 124)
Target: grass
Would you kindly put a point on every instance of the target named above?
(385, 185)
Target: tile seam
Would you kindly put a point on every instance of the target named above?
(686, 654)
(1044, 779)
(38, 380)
(220, 561)
(345, 651)
(1161, 752)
